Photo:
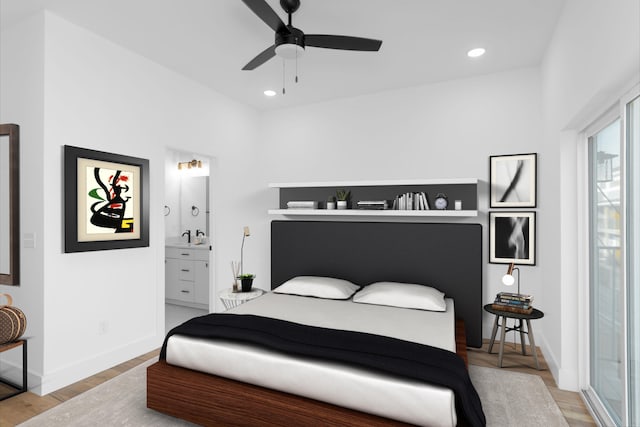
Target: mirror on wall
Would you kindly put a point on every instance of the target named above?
(186, 196)
(9, 205)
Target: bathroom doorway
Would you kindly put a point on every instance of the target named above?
(188, 242)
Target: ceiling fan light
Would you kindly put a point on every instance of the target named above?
(289, 51)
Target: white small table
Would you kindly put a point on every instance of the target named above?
(232, 299)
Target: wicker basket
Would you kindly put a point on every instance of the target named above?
(13, 322)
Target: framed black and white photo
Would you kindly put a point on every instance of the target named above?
(512, 238)
(106, 200)
(513, 180)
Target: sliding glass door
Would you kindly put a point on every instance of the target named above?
(632, 132)
(614, 266)
(606, 277)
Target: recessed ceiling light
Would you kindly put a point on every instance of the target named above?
(475, 53)
(270, 92)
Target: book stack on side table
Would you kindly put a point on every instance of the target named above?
(515, 303)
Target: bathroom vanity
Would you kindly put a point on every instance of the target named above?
(187, 275)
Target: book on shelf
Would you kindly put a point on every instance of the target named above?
(510, 308)
(411, 201)
(372, 204)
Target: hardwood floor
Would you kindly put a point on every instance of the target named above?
(26, 405)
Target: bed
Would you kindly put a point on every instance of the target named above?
(237, 390)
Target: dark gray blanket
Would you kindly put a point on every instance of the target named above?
(407, 359)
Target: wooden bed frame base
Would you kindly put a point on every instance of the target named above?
(211, 400)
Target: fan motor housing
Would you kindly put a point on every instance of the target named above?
(295, 37)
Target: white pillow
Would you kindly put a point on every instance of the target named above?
(403, 295)
(319, 287)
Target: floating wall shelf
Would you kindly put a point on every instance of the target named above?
(465, 189)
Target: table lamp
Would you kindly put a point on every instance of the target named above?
(508, 279)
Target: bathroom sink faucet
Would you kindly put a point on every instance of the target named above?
(188, 233)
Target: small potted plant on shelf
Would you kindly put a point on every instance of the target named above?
(247, 281)
(343, 196)
(331, 202)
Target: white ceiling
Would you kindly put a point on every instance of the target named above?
(424, 41)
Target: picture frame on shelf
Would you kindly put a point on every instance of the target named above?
(513, 180)
(106, 200)
(512, 238)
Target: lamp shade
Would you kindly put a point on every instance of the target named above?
(508, 280)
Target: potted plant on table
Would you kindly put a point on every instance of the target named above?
(247, 281)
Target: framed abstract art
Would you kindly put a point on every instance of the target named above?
(513, 180)
(106, 200)
(512, 238)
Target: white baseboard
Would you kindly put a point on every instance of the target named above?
(566, 379)
(42, 385)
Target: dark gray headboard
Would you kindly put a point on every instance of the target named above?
(445, 256)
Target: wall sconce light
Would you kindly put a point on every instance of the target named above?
(508, 279)
(188, 165)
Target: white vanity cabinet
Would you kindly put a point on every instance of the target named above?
(187, 276)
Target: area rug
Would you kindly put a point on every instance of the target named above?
(508, 398)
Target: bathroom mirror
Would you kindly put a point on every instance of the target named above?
(186, 196)
(9, 205)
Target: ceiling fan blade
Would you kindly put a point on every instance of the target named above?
(268, 15)
(342, 42)
(262, 57)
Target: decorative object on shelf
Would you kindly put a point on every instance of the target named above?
(343, 197)
(512, 238)
(302, 204)
(106, 200)
(331, 203)
(458, 205)
(246, 280)
(375, 205)
(189, 165)
(513, 180)
(13, 322)
(441, 201)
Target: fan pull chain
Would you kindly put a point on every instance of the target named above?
(296, 66)
(284, 92)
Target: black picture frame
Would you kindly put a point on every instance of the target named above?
(512, 237)
(106, 200)
(513, 180)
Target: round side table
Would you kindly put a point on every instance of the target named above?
(535, 314)
(232, 299)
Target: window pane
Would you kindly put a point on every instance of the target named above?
(633, 197)
(606, 288)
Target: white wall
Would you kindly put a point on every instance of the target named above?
(445, 130)
(22, 102)
(594, 58)
(100, 96)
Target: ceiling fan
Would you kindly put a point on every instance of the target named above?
(290, 42)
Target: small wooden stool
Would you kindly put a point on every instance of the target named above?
(535, 314)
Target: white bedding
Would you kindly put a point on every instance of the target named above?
(364, 390)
